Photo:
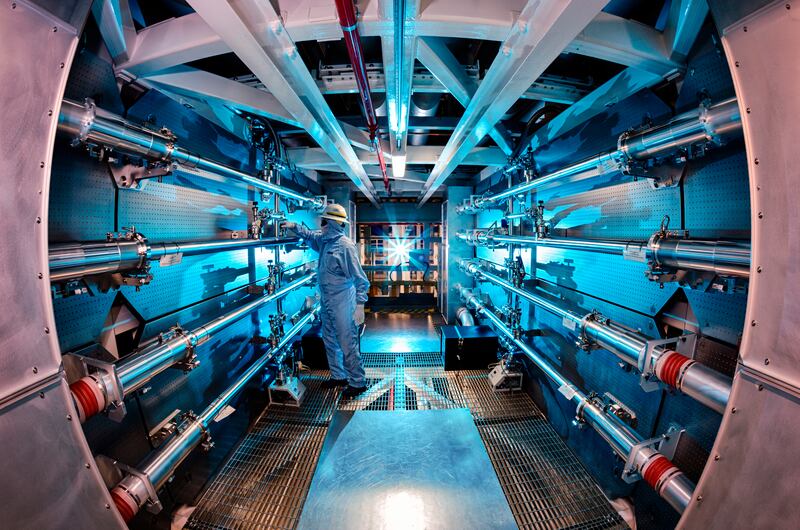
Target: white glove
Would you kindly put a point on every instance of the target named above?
(358, 316)
(288, 226)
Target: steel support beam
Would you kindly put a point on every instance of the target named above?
(255, 32)
(115, 22)
(543, 30)
(684, 23)
(315, 158)
(619, 87)
(189, 38)
(439, 60)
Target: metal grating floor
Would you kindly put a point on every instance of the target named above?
(265, 482)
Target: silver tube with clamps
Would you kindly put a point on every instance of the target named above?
(653, 358)
(139, 488)
(108, 384)
(88, 124)
(643, 458)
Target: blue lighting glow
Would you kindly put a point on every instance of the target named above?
(399, 251)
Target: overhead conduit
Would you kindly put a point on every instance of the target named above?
(708, 124)
(655, 468)
(694, 379)
(88, 124)
(98, 391)
(141, 487)
(349, 23)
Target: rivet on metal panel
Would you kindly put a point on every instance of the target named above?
(36, 369)
(755, 161)
(745, 29)
(87, 465)
(754, 323)
(108, 506)
(766, 361)
(55, 29)
(760, 215)
(40, 275)
(13, 5)
(49, 112)
(41, 164)
(38, 220)
(747, 110)
(41, 395)
(736, 64)
(61, 65)
(758, 269)
(716, 458)
(733, 410)
(788, 6)
(69, 417)
(46, 330)
(699, 498)
(760, 387)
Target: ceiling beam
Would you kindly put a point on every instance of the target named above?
(318, 159)
(684, 22)
(440, 61)
(115, 22)
(258, 37)
(189, 38)
(543, 30)
(619, 87)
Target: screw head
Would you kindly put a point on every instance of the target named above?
(36, 369)
(716, 457)
(733, 410)
(69, 417)
(766, 361)
(758, 269)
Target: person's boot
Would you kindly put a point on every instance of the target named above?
(333, 383)
(353, 391)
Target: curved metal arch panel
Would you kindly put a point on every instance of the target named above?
(751, 474)
(49, 476)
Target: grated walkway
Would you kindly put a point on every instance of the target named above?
(265, 481)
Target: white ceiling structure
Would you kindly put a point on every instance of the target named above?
(531, 35)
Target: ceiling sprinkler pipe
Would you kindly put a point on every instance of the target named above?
(349, 23)
(135, 490)
(88, 124)
(93, 393)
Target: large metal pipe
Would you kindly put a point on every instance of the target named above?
(668, 481)
(133, 491)
(96, 392)
(87, 123)
(694, 379)
(352, 39)
(706, 124)
(69, 261)
(725, 258)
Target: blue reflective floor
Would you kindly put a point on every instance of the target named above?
(401, 332)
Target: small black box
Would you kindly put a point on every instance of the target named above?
(468, 347)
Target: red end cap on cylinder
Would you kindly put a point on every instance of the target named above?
(656, 469)
(670, 367)
(126, 506)
(88, 398)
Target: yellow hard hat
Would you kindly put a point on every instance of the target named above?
(335, 212)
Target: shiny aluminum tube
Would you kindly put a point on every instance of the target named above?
(705, 385)
(84, 122)
(131, 492)
(603, 246)
(710, 124)
(668, 481)
(137, 370)
(70, 261)
(722, 258)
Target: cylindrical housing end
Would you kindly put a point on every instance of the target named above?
(88, 396)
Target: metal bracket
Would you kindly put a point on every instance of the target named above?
(166, 428)
(152, 503)
(110, 380)
(133, 177)
(684, 344)
(619, 409)
(666, 444)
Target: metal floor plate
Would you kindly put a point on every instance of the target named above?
(265, 482)
(421, 469)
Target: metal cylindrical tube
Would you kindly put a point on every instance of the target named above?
(131, 493)
(75, 260)
(620, 438)
(625, 344)
(464, 317)
(134, 372)
(701, 125)
(694, 379)
(602, 246)
(720, 257)
(86, 123)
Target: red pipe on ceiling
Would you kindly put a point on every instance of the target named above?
(349, 23)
